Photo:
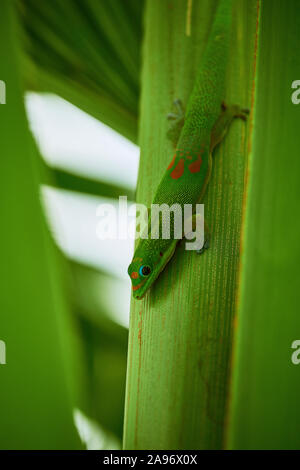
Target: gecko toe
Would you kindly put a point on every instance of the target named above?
(206, 245)
(171, 116)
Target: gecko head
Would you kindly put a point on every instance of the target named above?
(140, 272)
(145, 268)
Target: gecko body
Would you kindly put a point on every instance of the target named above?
(187, 175)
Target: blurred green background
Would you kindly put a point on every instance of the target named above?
(65, 294)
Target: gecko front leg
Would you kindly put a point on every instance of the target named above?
(177, 121)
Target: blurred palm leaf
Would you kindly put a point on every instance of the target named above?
(105, 345)
(88, 52)
(37, 384)
(81, 184)
(266, 387)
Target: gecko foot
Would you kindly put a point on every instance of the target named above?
(205, 247)
(177, 118)
(236, 111)
(242, 114)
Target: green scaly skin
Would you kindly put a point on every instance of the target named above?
(185, 180)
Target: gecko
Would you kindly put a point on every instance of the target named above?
(199, 130)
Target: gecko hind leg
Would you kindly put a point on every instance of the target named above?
(228, 113)
(177, 121)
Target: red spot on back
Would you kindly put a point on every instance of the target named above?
(196, 165)
(172, 163)
(178, 170)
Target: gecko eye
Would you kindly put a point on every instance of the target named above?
(144, 270)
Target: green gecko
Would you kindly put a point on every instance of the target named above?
(206, 121)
